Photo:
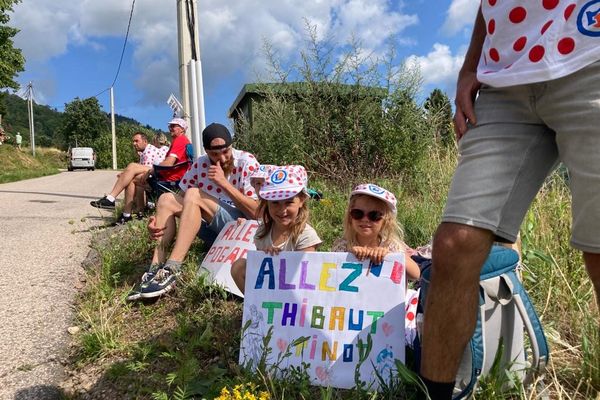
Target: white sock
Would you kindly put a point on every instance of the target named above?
(110, 198)
(126, 215)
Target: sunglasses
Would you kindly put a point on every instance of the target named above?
(373, 216)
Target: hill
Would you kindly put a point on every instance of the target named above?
(47, 120)
(19, 165)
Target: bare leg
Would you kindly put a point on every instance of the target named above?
(168, 207)
(238, 273)
(129, 196)
(196, 206)
(126, 177)
(459, 252)
(139, 198)
(592, 263)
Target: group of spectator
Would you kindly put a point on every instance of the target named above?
(527, 97)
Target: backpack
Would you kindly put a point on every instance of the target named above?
(505, 311)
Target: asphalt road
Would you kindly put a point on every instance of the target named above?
(44, 235)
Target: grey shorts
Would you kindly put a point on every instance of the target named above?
(225, 213)
(522, 133)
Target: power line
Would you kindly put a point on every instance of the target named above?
(124, 43)
(122, 52)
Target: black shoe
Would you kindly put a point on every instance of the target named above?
(140, 215)
(103, 203)
(122, 220)
(136, 292)
(162, 282)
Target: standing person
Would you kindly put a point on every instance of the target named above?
(283, 210)
(18, 140)
(535, 66)
(371, 229)
(217, 189)
(139, 171)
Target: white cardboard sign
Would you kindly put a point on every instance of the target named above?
(322, 308)
(233, 242)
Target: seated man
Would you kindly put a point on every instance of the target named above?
(217, 190)
(136, 173)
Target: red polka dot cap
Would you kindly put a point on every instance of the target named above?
(284, 182)
(373, 190)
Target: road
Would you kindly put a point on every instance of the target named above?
(45, 232)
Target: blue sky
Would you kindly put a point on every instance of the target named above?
(72, 47)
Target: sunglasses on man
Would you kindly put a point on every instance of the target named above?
(359, 214)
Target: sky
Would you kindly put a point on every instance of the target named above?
(72, 47)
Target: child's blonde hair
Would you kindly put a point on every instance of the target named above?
(296, 227)
(391, 231)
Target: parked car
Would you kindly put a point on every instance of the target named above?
(80, 158)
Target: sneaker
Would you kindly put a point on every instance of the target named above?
(162, 282)
(140, 215)
(103, 203)
(122, 220)
(136, 292)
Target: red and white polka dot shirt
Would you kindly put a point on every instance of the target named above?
(151, 155)
(531, 41)
(244, 165)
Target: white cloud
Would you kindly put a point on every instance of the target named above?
(460, 14)
(231, 33)
(439, 67)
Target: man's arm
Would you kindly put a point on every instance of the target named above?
(467, 85)
(169, 161)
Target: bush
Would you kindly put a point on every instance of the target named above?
(354, 118)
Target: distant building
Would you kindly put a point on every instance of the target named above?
(252, 93)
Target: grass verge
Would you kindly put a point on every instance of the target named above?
(19, 165)
(186, 345)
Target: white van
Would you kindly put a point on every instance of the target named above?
(81, 157)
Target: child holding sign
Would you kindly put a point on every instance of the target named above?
(370, 227)
(284, 214)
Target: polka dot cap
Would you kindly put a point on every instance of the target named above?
(284, 182)
(373, 190)
(537, 40)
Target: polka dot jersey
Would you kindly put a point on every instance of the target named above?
(537, 40)
(152, 155)
(244, 164)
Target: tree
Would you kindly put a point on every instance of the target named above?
(83, 122)
(11, 59)
(439, 115)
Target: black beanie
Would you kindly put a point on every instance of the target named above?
(214, 131)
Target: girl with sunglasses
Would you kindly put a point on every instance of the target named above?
(283, 210)
(371, 229)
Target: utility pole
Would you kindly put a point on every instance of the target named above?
(30, 111)
(190, 71)
(112, 128)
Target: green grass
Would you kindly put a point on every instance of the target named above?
(19, 165)
(186, 345)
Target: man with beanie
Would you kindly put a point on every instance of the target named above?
(527, 97)
(217, 190)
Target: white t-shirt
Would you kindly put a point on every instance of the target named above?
(244, 164)
(307, 238)
(535, 41)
